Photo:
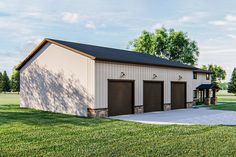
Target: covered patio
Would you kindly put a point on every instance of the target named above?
(206, 93)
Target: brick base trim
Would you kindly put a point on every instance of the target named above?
(167, 107)
(207, 101)
(138, 109)
(189, 104)
(97, 112)
(214, 100)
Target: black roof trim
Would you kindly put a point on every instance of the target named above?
(207, 86)
(202, 71)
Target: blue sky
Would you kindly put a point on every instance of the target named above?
(113, 23)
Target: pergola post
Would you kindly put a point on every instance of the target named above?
(207, 99)
(214, 98)
(214, 93)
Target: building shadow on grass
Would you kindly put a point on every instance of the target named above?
(10, 114)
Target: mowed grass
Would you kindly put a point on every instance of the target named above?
(12, 98)
(27, 132)
(227, 101)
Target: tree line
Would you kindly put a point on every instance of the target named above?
(9, 84)
(232, 83)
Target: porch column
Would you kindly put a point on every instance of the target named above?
(214, 93)
(207, 99)
(214, 98)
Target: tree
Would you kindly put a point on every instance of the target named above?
(223, 85)
(15, 81)
(170, 44)
(232, 83)
(218, 72)
(5, 82)
(0, 82)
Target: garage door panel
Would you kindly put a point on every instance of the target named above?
(120, 97)
(178, 95)
(153, 96)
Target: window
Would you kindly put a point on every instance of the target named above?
(194, 75)
(208, 76)
(194, 93)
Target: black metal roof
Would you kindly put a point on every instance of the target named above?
(207, 86)
(111, 54)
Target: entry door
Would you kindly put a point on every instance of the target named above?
(120, 97)
(178, 95)
(153, 96)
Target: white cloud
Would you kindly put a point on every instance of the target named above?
(70, 17)
(195, 17)
(232, 36)
(156, 26)
(228, 20)
(186, 19)
(218, 23)
(90, 25)
(221, 54)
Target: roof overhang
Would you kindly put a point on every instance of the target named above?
(207, 86)
(202, 71)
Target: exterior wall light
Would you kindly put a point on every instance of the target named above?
(122, 74)
(154, 76)
(180, 77)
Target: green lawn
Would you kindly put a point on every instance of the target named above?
(228, 101)
(25, 132)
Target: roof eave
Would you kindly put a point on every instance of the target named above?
(130, 62)
(203, 71)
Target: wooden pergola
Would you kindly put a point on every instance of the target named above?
(205, 96)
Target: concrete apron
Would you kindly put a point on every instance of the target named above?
(193, 116)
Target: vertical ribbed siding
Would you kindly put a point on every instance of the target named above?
(58, 80)
(201, 79)
(138, 73)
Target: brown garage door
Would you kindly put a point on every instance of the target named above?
(178, 95)
(120, 97)
(152, 96)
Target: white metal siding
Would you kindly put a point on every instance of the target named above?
(201, 79)
(111, 70)
(58, 80)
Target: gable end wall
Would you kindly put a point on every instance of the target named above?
(58, 80)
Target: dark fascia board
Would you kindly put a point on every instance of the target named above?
(35, 50)
(159, 65)
(203, 71)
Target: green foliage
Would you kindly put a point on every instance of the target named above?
(223, 85)
(218, 72)
(5, 82)
(170, 44)
(1, 82)
(232, 83)
(15, 81)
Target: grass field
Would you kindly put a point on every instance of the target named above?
(26, 132)
(228, 101)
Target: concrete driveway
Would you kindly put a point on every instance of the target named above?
(192, 116)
